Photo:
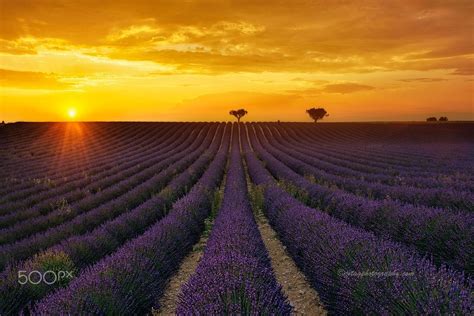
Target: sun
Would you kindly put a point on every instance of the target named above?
(72, 113)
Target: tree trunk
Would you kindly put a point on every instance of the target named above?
(238, 120)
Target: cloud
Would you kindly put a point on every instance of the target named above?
(134, 34)
(310, 81)
(255, 36)
(336, 88)
(344, 88)
(464, 71)
(423, 79)
(31, 80)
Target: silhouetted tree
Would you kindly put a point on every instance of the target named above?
(238, 113)
(317, 114)
(431, 119)
(443, 119)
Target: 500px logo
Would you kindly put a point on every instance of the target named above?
(48, 277)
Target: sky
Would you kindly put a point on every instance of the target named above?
(197, 60)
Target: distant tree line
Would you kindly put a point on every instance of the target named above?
(433, 119)
(319, 113)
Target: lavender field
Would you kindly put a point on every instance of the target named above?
(97, 218)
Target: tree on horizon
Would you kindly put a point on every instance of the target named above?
(317, 113)
(238, 114)
(431, 119)
(443, 119)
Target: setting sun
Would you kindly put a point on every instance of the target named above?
(72, 113)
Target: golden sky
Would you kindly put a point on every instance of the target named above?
(196, 60)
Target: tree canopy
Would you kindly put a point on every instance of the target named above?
(317, 113)
(238, 113)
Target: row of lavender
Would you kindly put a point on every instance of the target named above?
(354, 271)
(92, 214)
(93, 158)
(96, 166)
(446, 198)
(113, 168)
(234, 276)
(107, 186)
(447, 236)
(393, 133)
(369, 165)
(359, 168)
(72, 143)
(79, 251)
(131, 280)
(423, 159)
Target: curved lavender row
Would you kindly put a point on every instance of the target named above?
(317, 135)
(234, 275)
(334, 256)
(38, 222)
(36, 167)
(349, 167)
(97, 179)
(373, 158)
(397, 133)
(86, 249)
(24, 132)
(335, 142)
(143, 265)
(47, 141)
(365, 159)
(95, 167)
(67, 173)
(445, 235)
(82, 223)
(443, 198)
(60, 136)
(127, 146)
(347, 150)
(111, 178)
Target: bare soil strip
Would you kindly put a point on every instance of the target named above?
(169, 300)
(301, 295)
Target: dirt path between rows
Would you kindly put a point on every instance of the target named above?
(304, 299)
(301, 295)
(169, 300)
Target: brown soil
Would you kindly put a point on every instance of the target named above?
(169, 300)
(301, 295)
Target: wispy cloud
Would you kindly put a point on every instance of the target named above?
(423, 79)
(31, 80)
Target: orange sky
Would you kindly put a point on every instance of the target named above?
(196, 60)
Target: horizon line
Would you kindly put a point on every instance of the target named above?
(231, 121)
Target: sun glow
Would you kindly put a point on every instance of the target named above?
(72, 113)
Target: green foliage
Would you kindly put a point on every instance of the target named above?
(257, 198)
(56, 268)
(295, 191)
